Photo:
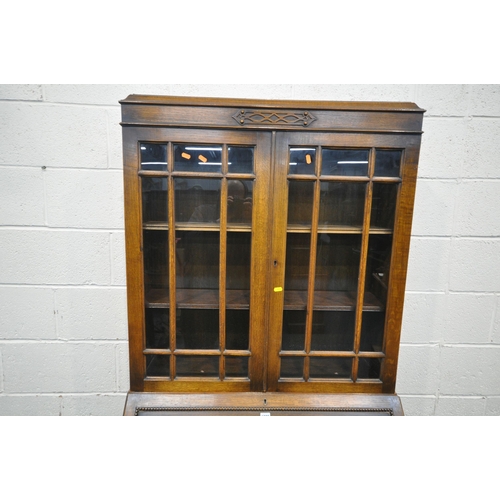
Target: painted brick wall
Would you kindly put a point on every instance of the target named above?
(63, 325)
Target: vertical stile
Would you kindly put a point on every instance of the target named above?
(362, 263)
(312, 262)
(172, 258)
(222, 263)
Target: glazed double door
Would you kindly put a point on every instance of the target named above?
(265, 259)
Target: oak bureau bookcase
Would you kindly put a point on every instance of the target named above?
(267, 245)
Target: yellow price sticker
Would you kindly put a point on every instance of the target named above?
(278, 289)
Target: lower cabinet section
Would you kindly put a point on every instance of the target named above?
(262, 404)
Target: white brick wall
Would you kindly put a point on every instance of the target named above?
(63, 347)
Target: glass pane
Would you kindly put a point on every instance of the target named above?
(372, 331)
(377, 280)
(236, 366)
(333, 331)
(238, 260)
(197, 254)
(193, 158)
(337, 263)
(387, 163)
(197, 366)
(377, 265)
(239, 201)
(197, 200)
(240, 160)
(342, 204)
(197, 329)
(383, 205)
(156, 270)
(345, 162)
(292, 367)
(154, 157)
(157, 365)
(154, 200)
(294, 331)
(302, 161)
(237, 329)
(369, 368)
(298, 247)
(157, 329)
(330, 367)
(300, 202)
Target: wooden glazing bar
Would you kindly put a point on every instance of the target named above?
(156, 351)
(362, 263)
(235, 352)
(305, 228)
(324, 354)
(153, 173)
(172, 260)
(222, 263)
(217, 175)
(198, 352)
(312, 262)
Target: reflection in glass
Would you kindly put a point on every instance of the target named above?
(383, 205)
(238, 261)
(387, 163)
(199, 328)
(294, 331)
(337, 262)
(297, 261)
(156, 271)
(197, 200)
(153, 156)
(237, 329)
(236, 366)
(330, 367)
(292, 367)
(369, 368)
(157, 365)
(333, 331)
(302, 161)
(342, 204)
(197, 254)
(157, 328)
(193, 158)
(300, 202)
(239, 201)
(240, 160)
(344, 162)
(197, 366)
(154, 199)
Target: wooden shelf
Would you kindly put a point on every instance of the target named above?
(193, 298)
(240, 299)
(330, 301)
(185, 226)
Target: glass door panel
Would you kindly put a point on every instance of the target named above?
(197, 204)
(337, 247)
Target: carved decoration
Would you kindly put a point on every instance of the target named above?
(267, 409)
(276, 118)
